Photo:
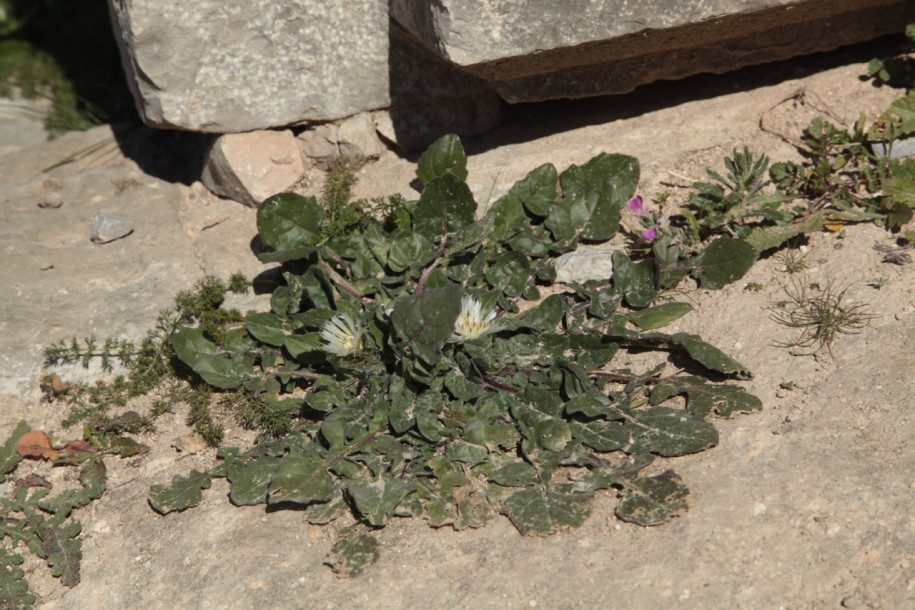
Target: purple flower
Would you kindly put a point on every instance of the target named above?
(638, 207)
(651, 233)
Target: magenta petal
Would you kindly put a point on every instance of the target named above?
(636, 206)
(651, 233)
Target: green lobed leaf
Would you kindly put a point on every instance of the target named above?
(184, 492)
(509, 273)
(659, 315)
(322, 514)
(287, 220)
(552, 434)
(704, 397)
(592, 196)
(63, 550)
(267, 328)
(377, 241)
(124, 446)
(900, 184)
(543, 511)
(222, 372)
(445, 206)
(588, 405)
(639, 282)
(306, 343)
(14, 588)
(376, 500)
(725, 260)
(507, 216)
(669, 432)
(538, 190)
(426, 320)
(546, 316)
(251, 481)
(710, 356)
(353, 551)
(592, 351)
(302, 480)
(472, 512)
(470, 236)
(604, 476)
(92, 476)
(191, 345)
(409, 250)
(444, 155)
(904, 109)
(654, 500)
(469, 453)
(766, 238)
(209, 360)
(328, 393)
(515, 474)
(9, 457)
(601, 435)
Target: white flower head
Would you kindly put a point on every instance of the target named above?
(343, 335)
(472, 322)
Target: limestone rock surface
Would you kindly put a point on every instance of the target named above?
(222, 66)
(355, 136)
(250, 167)
(530, 50)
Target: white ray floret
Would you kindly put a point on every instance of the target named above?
(343, 335)
(472, 322)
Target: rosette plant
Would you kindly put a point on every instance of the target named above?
(426, 373)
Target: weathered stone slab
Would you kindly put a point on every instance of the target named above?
(224, 66)
(531, 50)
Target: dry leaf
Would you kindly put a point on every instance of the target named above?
(77, 446)
(56, 384)
(36, 444)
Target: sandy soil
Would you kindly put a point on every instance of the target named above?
(807, 504)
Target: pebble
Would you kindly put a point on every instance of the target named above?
(47, 265)
(106, 228)
(850, 601)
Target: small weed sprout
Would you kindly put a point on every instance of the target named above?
(878, 282)
(820, 316)
(794, 260)
(753, 286)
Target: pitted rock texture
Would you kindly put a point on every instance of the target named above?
(223, 66)
(532, 50)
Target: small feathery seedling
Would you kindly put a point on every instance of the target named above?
(820, 313)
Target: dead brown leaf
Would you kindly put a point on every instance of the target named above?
(36, 444)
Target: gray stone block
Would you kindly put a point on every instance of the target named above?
(224, 66)
(531, 50)
(431, 96)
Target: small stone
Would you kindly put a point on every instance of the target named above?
(250, 167)
(51, 201)
(781, 393)
(358, 136)
(190, 443)
(46, 265)
(850, 601)
(586, 263)
(106, 228)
